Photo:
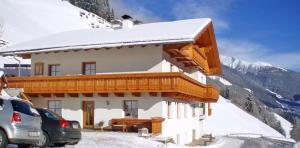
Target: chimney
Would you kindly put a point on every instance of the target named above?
(127, 21)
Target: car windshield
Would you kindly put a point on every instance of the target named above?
(51, 115)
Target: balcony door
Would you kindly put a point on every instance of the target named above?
(88, 114)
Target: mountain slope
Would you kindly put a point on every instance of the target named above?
(275, 86)
(229, 119)
(26, 20)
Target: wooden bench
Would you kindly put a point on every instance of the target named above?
(130, 125)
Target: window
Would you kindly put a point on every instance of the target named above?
(131, 108)
(55, 106)
(169, 109)
(24, 108)
(51, 115)
(89, 68)
(1, 104)
(39, 69)
(202, 108)
(194, 106)
(54, 70)
(179, 111)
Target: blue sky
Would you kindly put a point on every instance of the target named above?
(252, 30)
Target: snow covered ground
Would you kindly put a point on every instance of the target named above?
(229, 119)
(115, 140)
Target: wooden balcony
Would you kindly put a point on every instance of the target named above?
(191, 56)
(174, 85)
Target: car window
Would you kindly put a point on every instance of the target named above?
(23, 107)
(1, 104)
(51, 115)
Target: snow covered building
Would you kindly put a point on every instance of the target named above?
(148, 74)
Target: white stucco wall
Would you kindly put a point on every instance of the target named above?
(106, 108)
(182, 126)
(113, 60)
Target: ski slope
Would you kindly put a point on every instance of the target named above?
(228, 119)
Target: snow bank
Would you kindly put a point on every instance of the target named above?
(229, 119)
(286, 125)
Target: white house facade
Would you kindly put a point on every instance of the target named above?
(149, 75)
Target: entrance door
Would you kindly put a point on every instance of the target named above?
(88, 114)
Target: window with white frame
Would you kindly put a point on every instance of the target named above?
(131, 108)
(55, 106)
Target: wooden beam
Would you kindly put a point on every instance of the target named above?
(136, 94)
(183, 60)
(119, 94)
(88, 94)
(59, 95)
(153, 94)
(103, 94)
(73, 95)
(47, 95)
(33, 95)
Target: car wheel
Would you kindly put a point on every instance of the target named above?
(25, 146)
(3, 139)
(59, 144)
(44, 140)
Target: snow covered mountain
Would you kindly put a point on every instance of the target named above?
(26, 20)
(244, 66)
(261, 86)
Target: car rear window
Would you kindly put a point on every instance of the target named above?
(51, 115)
(23, 107)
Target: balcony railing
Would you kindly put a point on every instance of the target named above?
(190, 55)
(175, 85)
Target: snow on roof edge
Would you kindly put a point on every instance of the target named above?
(104, 45)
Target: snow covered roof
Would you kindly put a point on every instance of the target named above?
(183, 31)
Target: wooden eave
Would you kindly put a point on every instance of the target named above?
(202, 53)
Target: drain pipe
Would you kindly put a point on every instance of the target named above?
(19, 61)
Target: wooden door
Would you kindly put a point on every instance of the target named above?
(88, 114)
